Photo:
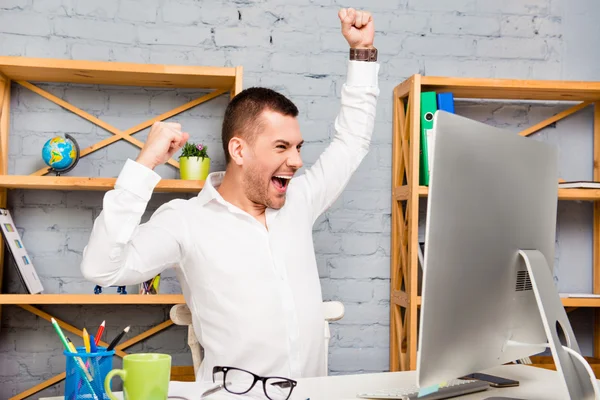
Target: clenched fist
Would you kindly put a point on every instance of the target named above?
(357, 28)
(164, 139)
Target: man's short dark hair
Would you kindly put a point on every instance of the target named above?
(243, 112)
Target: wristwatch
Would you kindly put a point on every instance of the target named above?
(363, 54)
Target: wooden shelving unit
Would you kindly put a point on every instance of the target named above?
(79, 299)
(404, 299)
(24, 71)
(401, 193)
(88, 183)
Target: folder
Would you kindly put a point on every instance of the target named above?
(446, 102)
(428, 109)
(27, 272)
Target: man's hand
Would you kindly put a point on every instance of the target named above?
(357, 27)
(164, 139)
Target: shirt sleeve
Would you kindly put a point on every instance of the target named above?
(121, 251)
(328, 177)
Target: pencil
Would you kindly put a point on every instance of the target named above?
(70, 347)
(117, 339)
(60, 333)
(78, 360)
(100, 332)
(86, 341)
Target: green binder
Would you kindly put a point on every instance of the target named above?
(428, 108)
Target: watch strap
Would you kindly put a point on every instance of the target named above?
(363, 54)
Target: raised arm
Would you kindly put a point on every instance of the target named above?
(120, 250)
(326, 179)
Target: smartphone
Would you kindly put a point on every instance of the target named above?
(494, 381)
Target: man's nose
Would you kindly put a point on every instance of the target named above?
(295, 160)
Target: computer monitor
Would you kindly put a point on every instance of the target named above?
(488, 293)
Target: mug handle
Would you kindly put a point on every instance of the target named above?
(122, 373)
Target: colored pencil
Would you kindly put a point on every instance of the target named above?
(86, 341)
(100, 332)
(117, 339)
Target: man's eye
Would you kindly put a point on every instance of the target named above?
(280, 146)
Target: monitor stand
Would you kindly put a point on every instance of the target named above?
(574, 369)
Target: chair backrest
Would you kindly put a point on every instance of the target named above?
(181, 315)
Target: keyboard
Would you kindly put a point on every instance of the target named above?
(455, 387)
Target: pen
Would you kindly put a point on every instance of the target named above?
(117, 339)
(93, 346)
(211, 391)
(100, 332)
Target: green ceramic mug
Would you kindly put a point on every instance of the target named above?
(145, 377)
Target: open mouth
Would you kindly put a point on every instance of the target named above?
(281, 182)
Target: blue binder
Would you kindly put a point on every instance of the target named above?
(445, 102)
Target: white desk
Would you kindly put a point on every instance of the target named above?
(535, 384)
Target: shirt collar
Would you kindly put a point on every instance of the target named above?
(209, 191)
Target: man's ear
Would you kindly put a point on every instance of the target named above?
(236, 150)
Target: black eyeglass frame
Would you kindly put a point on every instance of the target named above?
(263, 379)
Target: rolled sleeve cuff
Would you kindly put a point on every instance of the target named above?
(362, 73)
(137, 179)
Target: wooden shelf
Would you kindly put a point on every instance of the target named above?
(116, 73)
(483, 88)
(401, 193)
(547, 362)
(567, 301)
(91, 299)
(579, 194)
(580, 302)
(217, 81)
(87, 183)
(406, 131)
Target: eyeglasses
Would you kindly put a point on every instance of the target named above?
(239, 381)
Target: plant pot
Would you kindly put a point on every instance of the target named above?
(194, 168)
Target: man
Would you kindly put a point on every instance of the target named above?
(243, 247)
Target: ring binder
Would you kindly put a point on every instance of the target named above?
(13, 240)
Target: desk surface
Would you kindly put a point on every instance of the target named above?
(535, 384)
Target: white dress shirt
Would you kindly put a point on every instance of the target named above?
(254, 293)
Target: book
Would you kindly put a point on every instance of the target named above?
(25, 267)
(580, 295)
(579, 185)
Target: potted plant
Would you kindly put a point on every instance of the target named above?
(194, 163)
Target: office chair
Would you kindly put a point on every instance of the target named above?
(180, 315)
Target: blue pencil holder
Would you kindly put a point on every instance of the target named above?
(80, 385)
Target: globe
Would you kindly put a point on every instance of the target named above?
(61, 154)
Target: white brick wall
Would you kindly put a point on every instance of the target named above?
(293, 46)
